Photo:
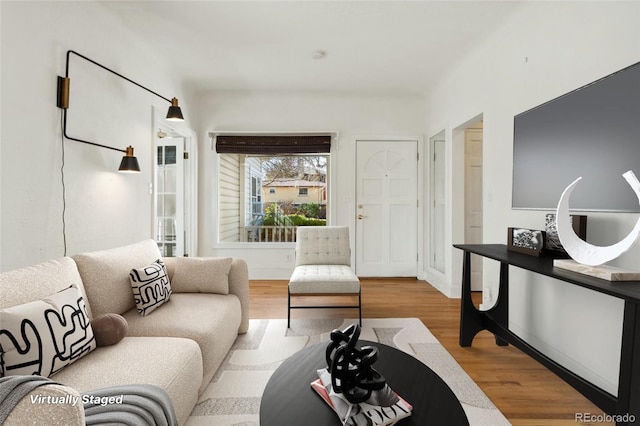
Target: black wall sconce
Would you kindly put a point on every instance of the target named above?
(129, 162)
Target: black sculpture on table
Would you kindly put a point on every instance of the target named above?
(351, 368)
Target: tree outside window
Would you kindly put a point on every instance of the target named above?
(264, 198)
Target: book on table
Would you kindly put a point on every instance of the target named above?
(383, 407)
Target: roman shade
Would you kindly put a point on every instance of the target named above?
(273, 144)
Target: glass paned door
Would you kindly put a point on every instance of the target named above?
(169, 199)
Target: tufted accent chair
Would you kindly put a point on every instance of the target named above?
(323, 267)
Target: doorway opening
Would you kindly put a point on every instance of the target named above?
(469, 139)
(473, 197)
(174, 192)
(437, 203)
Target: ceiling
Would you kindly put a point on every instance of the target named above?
(399, 47)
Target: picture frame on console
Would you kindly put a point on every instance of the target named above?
(527, 241)
(553, 246)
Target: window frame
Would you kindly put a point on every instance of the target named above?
(331, 195)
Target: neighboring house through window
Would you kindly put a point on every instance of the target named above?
(267, 187)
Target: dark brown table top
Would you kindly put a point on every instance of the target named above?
(289, 400)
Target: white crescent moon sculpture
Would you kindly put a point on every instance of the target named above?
(580, 250)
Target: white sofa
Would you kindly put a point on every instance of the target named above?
(177, 347)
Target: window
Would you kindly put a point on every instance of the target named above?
(168, 210)
(264, 196)
(256, 195)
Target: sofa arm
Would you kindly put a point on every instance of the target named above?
(42, 406)
(238, 285)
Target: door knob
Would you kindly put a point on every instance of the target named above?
(360, 217)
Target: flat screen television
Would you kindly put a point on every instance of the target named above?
(592, 132)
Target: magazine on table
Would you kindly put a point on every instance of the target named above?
(384, 407)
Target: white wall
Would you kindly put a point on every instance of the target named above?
(351, 115)
(104, 208)
(546, 50)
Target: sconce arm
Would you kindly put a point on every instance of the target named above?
(69, 52)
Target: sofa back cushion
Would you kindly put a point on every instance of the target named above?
(39, 281)
(105, 275)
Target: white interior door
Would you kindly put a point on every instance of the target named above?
(169, 196)
(473, 200)
(386, 208)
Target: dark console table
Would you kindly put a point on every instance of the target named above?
(496, 320)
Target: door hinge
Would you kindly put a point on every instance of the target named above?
(185, 155)
(417, 156)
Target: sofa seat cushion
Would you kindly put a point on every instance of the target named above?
(172, 364)
(212, 320)
(309, 279)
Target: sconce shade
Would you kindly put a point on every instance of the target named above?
(129, 163)
(174, 113)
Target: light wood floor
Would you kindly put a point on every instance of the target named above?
(525, 392)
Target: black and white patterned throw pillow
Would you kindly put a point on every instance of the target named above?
(151, 287)
(43, 336)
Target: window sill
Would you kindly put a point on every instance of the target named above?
(247, 245)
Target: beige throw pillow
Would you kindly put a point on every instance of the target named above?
(202, 275)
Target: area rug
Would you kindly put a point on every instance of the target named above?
(233, 396)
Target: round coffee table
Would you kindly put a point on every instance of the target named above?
(288, 398)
